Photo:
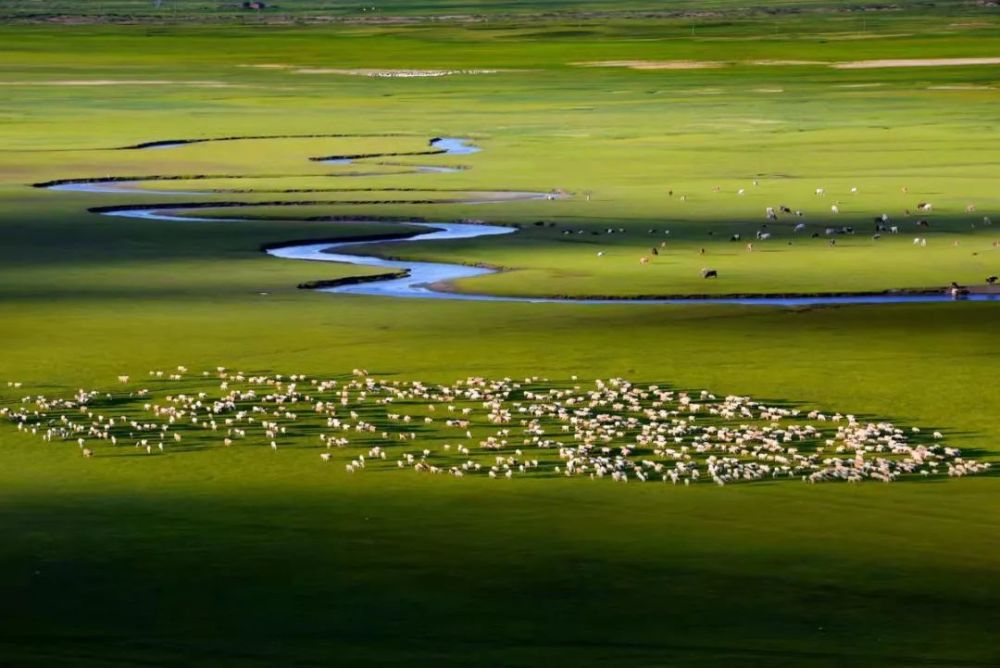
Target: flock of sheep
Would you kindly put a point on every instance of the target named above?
(495, 428)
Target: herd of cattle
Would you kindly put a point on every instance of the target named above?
(881, 225)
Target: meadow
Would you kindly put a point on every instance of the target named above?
(246, 556)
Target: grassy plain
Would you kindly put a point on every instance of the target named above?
(244, 557)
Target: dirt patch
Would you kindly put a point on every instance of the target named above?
(847, 65)
(842, 37)
(354, 280)
(161, 143)
(121, 82)
(696, 64)
(362, 156)
(914, 62)
(653, 64)
(394, 74)
(779, 63)
(960, 87)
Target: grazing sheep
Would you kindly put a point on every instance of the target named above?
(728, 448)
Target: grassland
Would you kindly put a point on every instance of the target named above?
(452, 11)
(247, 557)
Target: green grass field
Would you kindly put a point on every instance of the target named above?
(409, 12)
(243, 556)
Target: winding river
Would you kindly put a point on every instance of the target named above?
(424, 277)
(424, 280)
